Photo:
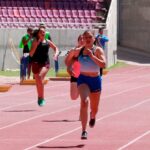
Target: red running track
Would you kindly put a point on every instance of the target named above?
(123, 121)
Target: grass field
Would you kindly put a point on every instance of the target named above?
(118, 65)
(51, 72)
(17, 73)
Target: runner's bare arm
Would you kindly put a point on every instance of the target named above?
(54, 47)
(98, 57)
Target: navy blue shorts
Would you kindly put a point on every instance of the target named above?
(94, 83)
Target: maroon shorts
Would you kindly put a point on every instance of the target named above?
(36, 67)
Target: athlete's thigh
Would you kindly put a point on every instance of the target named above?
(43, 71)
(84, 91)
(94, 99)
(74, 90)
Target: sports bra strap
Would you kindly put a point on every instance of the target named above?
(82, 49)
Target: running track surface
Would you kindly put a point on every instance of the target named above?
(123, 120)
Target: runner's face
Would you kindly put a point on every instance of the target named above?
(41, 33)
(88, 39)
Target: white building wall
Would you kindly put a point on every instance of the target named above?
(111, 31)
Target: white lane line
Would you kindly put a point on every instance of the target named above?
(102, 118)
(132, 71)
(125, 109)
(128, 90)
(134, 140)
(31, 102)
(25, 92)
(124, 91)
(29, 91)
(38, 116)
(52, 139)
(126, 80)
(65, 94)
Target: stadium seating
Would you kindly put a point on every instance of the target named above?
(44, 13)
(27, 13)
(49, 13)
(56, 13)
(22, 12)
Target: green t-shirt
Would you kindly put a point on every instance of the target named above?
(47, 36)
(26, 37)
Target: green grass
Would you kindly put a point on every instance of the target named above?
(10, 73)
(51, 72)
(118, 65)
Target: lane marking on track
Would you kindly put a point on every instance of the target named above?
(124, 91)
(65, 84)
(132, 71)
(64, 95)
(29, 91)
(4, 108)
(38, 116)
(134, 140)
(54, 138)
(102, 118)
(31, 102)
(127, 80)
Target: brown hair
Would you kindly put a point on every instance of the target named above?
(79, 37)
(89, 32)
(36, 31)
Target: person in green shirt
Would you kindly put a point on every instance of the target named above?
(25, 44)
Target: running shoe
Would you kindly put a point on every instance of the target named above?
(92, 123)
(41, 102)
(84, 135)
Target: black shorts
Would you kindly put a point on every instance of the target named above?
(101, 71)
(73, 79)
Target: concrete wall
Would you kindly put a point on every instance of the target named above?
(65, 39)
(10, 53)
(134, 25)
(111, 32)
